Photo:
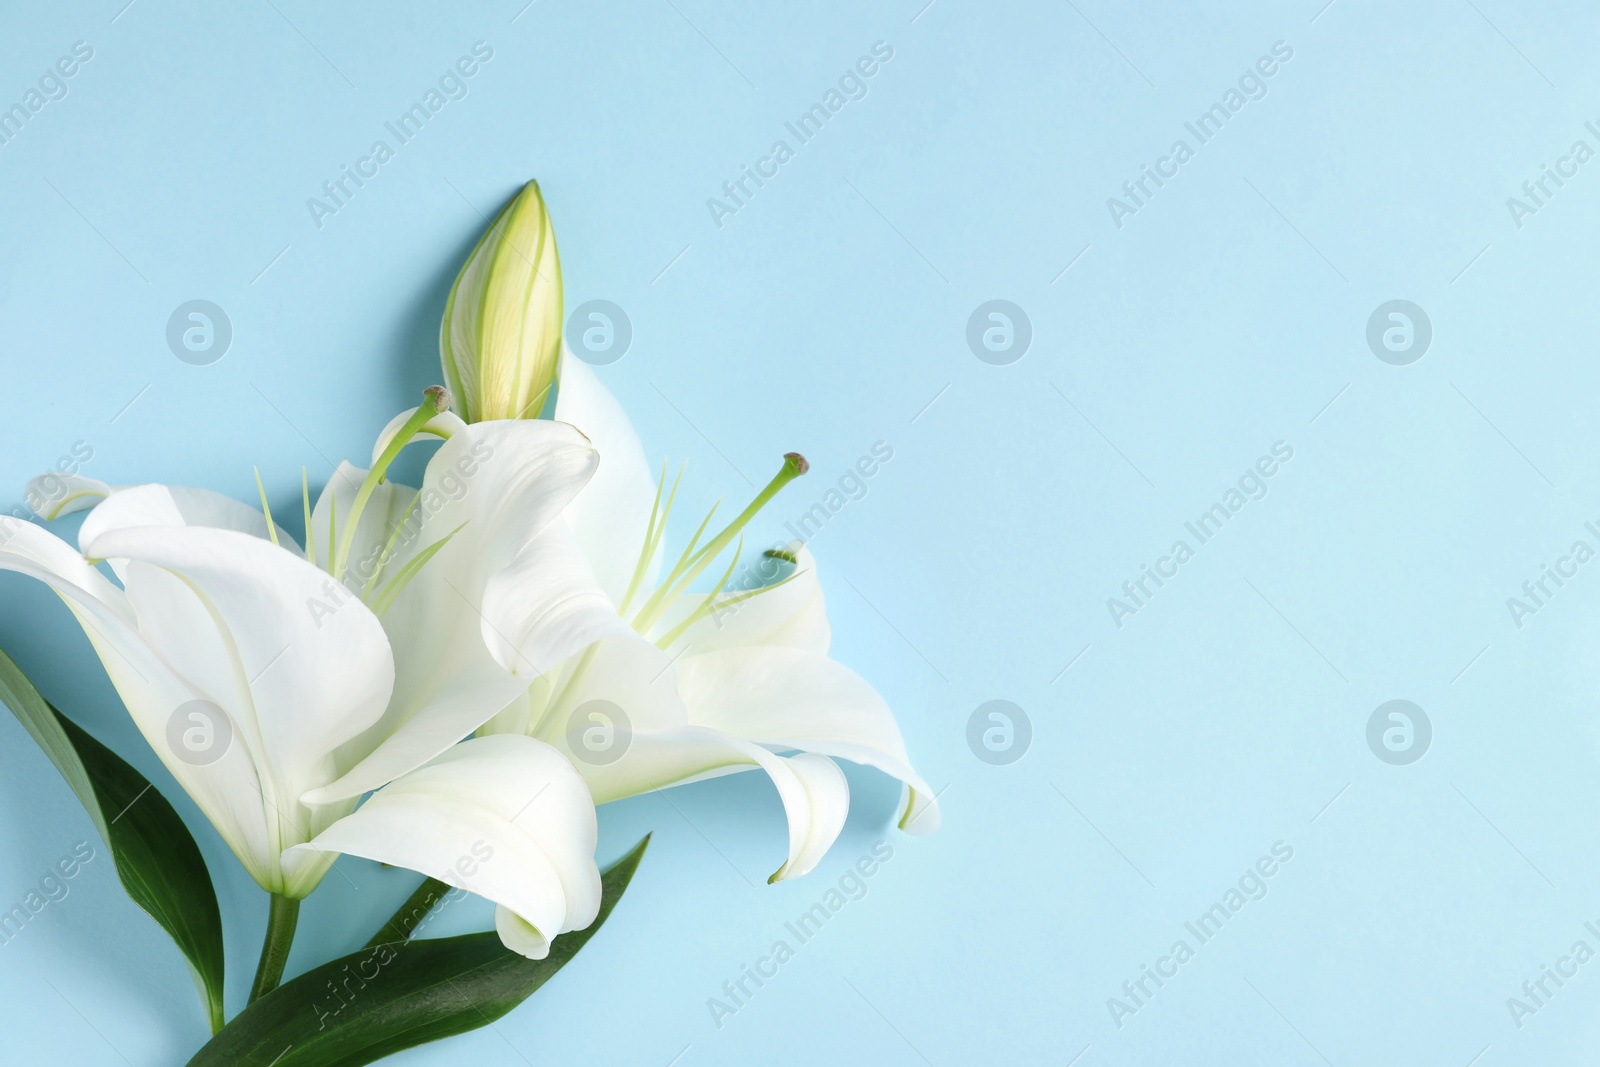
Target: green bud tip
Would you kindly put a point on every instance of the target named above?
(441, 398)
(798, 462)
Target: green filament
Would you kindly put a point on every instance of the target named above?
(391, 592)
(435, 401)
(394, 536)
(704, 607)
(311, 535)
(266, 509)
(693, 562)
(650, 538)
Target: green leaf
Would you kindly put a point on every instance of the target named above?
(156, 858)
(397, 995)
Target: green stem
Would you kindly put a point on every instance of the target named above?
(281, 921)
(404, 922)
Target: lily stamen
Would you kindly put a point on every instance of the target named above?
(266, 509)
(706, 606)
(388, 552)
(436, 402)
(652, 536)
(693, 562)
(311, 535)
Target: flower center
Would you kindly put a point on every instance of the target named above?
(436, 402)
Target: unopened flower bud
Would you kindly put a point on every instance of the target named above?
(501, 335)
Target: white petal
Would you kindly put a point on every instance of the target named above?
(815, 795)
(519, 935)
(226, 790)
(612, 515)
(632, 684)
(621, 682)
(296, 661)
(499, 484)
(787, 698)
(816, 798)
(791, 612)
(627, 686)
(387, 534)
(30, 548)
(505, 817)
(546, 604)
(175, 505)
(54, 495)
(625, 670)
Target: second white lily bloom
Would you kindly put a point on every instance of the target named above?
(683, 686)
(269, 686)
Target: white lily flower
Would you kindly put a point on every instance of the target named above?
(268, 684)
(687, 686)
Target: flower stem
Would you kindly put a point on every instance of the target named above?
(404, 922)
(281, 921)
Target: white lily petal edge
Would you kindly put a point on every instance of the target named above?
(506, 818)
(54, 495)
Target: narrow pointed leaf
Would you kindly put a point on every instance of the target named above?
(396, 995)
(157, 860)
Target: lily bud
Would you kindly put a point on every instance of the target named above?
(501, 334)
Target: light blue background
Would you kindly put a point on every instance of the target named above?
(825, 316)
